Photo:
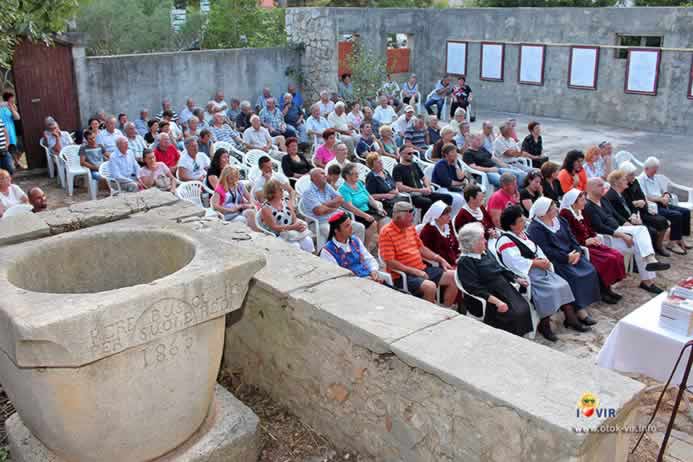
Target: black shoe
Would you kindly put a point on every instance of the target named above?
(547, 334)
(662, 253)
(607, 298)
(653, 289)
(588, 321)
(614, 295)
(657, 266)
(576, 326)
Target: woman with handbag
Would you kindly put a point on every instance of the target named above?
(278, 216)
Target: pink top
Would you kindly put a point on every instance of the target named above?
(500, 200)
(324, 155)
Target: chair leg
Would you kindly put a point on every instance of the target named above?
(93, 187)
(51, 168)
(70, 184)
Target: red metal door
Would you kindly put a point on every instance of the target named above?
(45, 86)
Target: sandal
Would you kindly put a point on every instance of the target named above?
(677, 251)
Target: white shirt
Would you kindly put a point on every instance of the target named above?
(512, 257)
(355, 120)
(218, 106)
(650, 185)
(197, 166)
(370, 262)
(257, 139)
(326, 108)
(108, 140)
(336, 162)
(402, 124)
(503, 144)
(384, 115)
(338, 122)
(185, 115)
(136, 145)
(14, 197)
(260, 181)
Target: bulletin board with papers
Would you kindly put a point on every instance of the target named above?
(583, 67)
(492, 57)
(642, 71)
(531, 69)
(456, 58)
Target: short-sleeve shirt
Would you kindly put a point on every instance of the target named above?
(409, 175)
(196, 166)
(317, 125)
(357, 197)
(260, 181)
(169, 157)
(367, 145)
(93, 155)
(338, 122)
(257, 138)
(224, 133)
(324, 155)
(14, 197)
(272, 118)
(326, 108)
(499, 200)
(65, 140)
(439, 86)
(136, 145)
(503, 144)
(533, 147)
(402, 245)
(313, 198)
(160, 169)
(416, 137)
(384, 115)
(108, 140)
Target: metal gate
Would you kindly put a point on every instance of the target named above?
(45, 86)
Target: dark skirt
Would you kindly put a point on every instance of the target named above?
(609, 264)
(518, 319)
(583, 281)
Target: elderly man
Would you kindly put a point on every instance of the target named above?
(123, 167)
(384, 113)
(316, 124)
(295, 95)
(679, 217)
(480, 159)
(166, 106)
(166, 152)
(404, 122)
(293, 116)
(135, 141)
(192, 128)
(325, 104)
(441, 91)
(341, 154)
(141, 124)
(187, 111)
(243, 119)
(627, 238)
(509, 151)
(321, 200)
(402, 250)
(489, 138)
(223, 132)
(37, 198)
(256, 136)
(56, 139)
(107, 136)
(416, 134)
(338, 120)
(261, 102)
(217, 104)
(346, 250)
(506, 195)
(267, 173)
(273, 120)
(192, 165)
(410, 179)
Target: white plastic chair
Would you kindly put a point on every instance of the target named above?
(191, 191)
(485, 185)
(428, 173)
(231, 150)
(363, 171)
(253, 156)
(319, 241)
(388, 164)
(261, 226)
(19, 209)
(302, 185)
(428, 155)
(628, 255)
(623, 156)
(105, 173)
(667, 185)
(70, 158)
(51, 160)
(419, 103)
(467, 294)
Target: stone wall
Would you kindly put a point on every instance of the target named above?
(126, 83)
(429, 29)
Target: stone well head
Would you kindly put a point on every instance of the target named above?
(112, 336)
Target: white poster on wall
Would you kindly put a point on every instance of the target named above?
(642, 71)
(492, 61)
(456, 59)
(584, 66)
(532, 64)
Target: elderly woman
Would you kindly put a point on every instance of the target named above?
(155, 174)
(462, 139)
(380, 184)
(553, 235)
(409, 90)
(572, 175)
(526, 259)
(474, 211)
(460, 116)
(432, 130)
(607, 261)
(447, 135)
(482, 276)
(437, 233)
(594, 164)
(367, 211)
(10, 194)
(278, 216)
(231, 199)
(325, 153)
(532, 191)
(219, 161)
(387, 141)
(294, 163)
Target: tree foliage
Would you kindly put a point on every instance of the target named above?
(36, 19)
(368, 71)
(546, 3)
(663, 3)
(370, 3)
(241, 23)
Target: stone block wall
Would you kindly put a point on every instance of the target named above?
(670, 110)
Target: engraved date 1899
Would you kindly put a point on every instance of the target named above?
(160, 352)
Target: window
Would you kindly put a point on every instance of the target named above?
(398, 52)
(397, 41)
(635, 41)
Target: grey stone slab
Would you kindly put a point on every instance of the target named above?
(531, 379)
(230, 433)
(20, 228)
(181, 210)
(368, 314)
(287, 268)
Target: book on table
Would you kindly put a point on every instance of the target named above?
(677, 315)
(684, 289)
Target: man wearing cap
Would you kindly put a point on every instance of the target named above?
(402, 250)
(403, 122)
(347, 250)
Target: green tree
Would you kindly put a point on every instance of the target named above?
(546, 3)
(36, 19)
(368, 3)
(368, 71)
(663, 3)
(241, 23)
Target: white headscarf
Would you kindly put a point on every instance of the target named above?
(540, 207)
(569, 199)
(433, 213)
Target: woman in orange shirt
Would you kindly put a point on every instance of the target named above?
(572, 175)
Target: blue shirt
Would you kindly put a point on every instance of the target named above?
(141, 127)
(366, 145)
(123, 167)
(8, 120)
(296, 98)
(417, 137)
(435, 96)
(272, 118)
(313, 198)
(444, 174)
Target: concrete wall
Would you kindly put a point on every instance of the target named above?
(669, 111)
(126, 83)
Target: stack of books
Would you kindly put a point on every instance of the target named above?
(677, 309)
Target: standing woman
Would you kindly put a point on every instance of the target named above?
(607, 261)
(461, 97)
(523, 257)
(553, 235)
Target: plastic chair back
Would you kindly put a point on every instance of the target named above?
(190, 191)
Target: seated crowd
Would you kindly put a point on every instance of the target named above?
(379, 187)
